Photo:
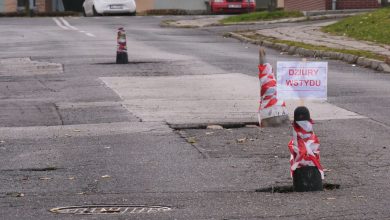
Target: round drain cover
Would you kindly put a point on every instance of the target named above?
(109, 209)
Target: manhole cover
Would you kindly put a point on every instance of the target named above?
(110, 209)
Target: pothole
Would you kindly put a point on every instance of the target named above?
(225, 125)
(129, 63)
(110, 209)
(44, 169)
(37, 169)
(290, 189)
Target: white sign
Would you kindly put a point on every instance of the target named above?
(302, 80)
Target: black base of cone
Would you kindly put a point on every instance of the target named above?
(121, 58)
(307, 179)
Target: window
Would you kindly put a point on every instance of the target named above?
(22, 3)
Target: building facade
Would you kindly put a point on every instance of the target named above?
(11, 6)
(191, 5)
(309, 5)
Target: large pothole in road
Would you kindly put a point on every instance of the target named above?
(110, 209)
(290, 189)
(130, 63)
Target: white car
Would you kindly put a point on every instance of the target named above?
(102, 7)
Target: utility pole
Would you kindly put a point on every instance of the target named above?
(248, 6)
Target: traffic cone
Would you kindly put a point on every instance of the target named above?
(272, 112)
(121, 52)
(306, 169)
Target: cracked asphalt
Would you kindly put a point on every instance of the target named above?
(68, 139)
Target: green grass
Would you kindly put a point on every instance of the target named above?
(260, 16)
(359, 53)
(373, 26)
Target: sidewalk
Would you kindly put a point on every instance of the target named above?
(312, 34)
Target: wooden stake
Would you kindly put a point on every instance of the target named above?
(262, 56)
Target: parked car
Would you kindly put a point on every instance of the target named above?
(232, 6)
(102, 7)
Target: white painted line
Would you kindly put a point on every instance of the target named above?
(67, 24)
(90, 35)
(82, 32)
(59, 24)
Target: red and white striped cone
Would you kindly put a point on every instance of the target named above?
(121, 51)
(272, 112)
(304, 147)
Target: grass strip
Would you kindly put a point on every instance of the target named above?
(373, 26)
(359, 53)
(260, 16)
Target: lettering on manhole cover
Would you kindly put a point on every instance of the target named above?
(110, 209)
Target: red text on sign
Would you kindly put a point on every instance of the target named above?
(294, 83)
(303, 72)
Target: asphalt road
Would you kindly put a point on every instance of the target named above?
(69, 139)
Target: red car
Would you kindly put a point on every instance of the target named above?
(232, 6)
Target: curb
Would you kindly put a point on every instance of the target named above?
(292, 50)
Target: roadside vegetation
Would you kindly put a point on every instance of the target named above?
(373, 26)
(260, 16)
(359, 53)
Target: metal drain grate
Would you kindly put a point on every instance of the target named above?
(110, 209)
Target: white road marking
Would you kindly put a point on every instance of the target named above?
(64, 24)
(90, 35)
(204, 99)
(60, 24)
(67, 24)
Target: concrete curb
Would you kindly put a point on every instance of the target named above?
(292, 50)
